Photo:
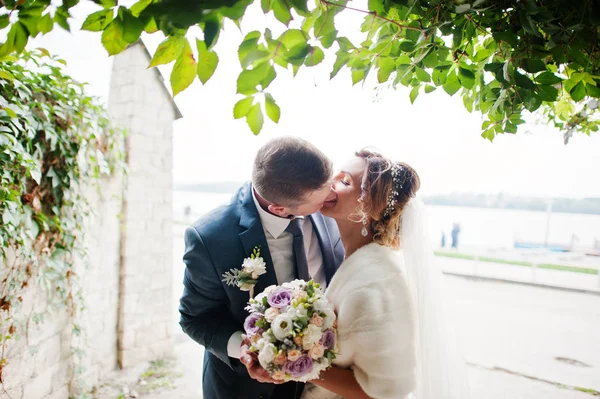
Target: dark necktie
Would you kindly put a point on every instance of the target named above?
(295, 228)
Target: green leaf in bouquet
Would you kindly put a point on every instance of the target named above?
(262, 323)
(265, 302)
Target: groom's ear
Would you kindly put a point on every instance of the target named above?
(278, 210)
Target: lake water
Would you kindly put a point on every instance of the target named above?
(480, 227)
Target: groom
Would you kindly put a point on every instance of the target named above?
(278, 211)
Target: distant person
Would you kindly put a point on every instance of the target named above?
(443, 243)
(455, 232)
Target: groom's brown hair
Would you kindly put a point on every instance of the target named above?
(286, 169)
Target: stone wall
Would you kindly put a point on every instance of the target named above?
(126, 283)
(140, 102)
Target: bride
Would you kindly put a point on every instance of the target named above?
(393, 335)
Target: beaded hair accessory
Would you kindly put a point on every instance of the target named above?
(396, 187)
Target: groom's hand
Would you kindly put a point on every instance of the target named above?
(250, 360)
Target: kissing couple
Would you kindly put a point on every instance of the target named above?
(361, 233)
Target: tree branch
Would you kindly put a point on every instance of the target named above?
(374, 14)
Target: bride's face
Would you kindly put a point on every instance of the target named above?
(346, 190)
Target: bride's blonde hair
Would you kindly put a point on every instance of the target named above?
(384, 196)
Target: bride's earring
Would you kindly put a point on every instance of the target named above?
(364, 230)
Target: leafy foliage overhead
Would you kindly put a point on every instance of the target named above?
(503, 57)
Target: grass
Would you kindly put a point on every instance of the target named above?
(549, 266)
(160, 374)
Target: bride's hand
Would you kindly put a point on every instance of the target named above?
(249, 359)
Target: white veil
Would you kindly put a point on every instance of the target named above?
(441, 371)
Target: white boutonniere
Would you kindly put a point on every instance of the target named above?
(246, 278)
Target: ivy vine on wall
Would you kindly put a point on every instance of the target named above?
(55, 141)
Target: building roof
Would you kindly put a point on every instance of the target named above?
(161, 80)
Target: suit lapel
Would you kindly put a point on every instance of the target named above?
(320, 228)
(253, 235)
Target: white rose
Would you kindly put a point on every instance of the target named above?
(300, 311)
(312, 335)
(271, 314)
(269, 289)
(261, 343)
(282, 326)
(321, 304)
(329, 318)
(259, 298)
(266, 355)
(268, 337)
(256, 266)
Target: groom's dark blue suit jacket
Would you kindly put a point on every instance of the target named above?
(212, 311)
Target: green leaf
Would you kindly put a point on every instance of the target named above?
(184, 70)
(548, 93)
(140, 6)
(45, 24)
(466, 77)
(547, 78)
(273, 111)
(254, 119)
(422, 75)
(106, 3)
(266, 5)
(211, 31)
(61, 17)
(468, 102)
(413, 94)
(386, 67)
(97, 21)
(341, 60)
(132, 26)
(207, 62)
(242, 107)
(431, 59)
(578, 92)
(4, 21)
(533, 65)
(249, 45)
(282, 12)
(297, 54)
(314, 57)
(168, 50)
(112, 37)
(523, 81)
(293, 37)
(439, 74)
(529, 25)
(249, 80)
(16, 40)
(452, 85)
(357, 75)
(6, 75)
(429, 88)
(151, 26)
(592, 91)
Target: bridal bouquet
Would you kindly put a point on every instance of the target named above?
(292, 328)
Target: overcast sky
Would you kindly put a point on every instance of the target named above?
(436, 135)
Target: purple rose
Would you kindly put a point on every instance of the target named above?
(300, 367)
(250, 324)
(328, 339)
(280, 297)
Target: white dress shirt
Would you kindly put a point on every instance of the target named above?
(280, 244)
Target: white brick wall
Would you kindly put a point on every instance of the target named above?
(144, 332)
(40, 366)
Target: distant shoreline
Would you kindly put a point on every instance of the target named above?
(585, 206)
